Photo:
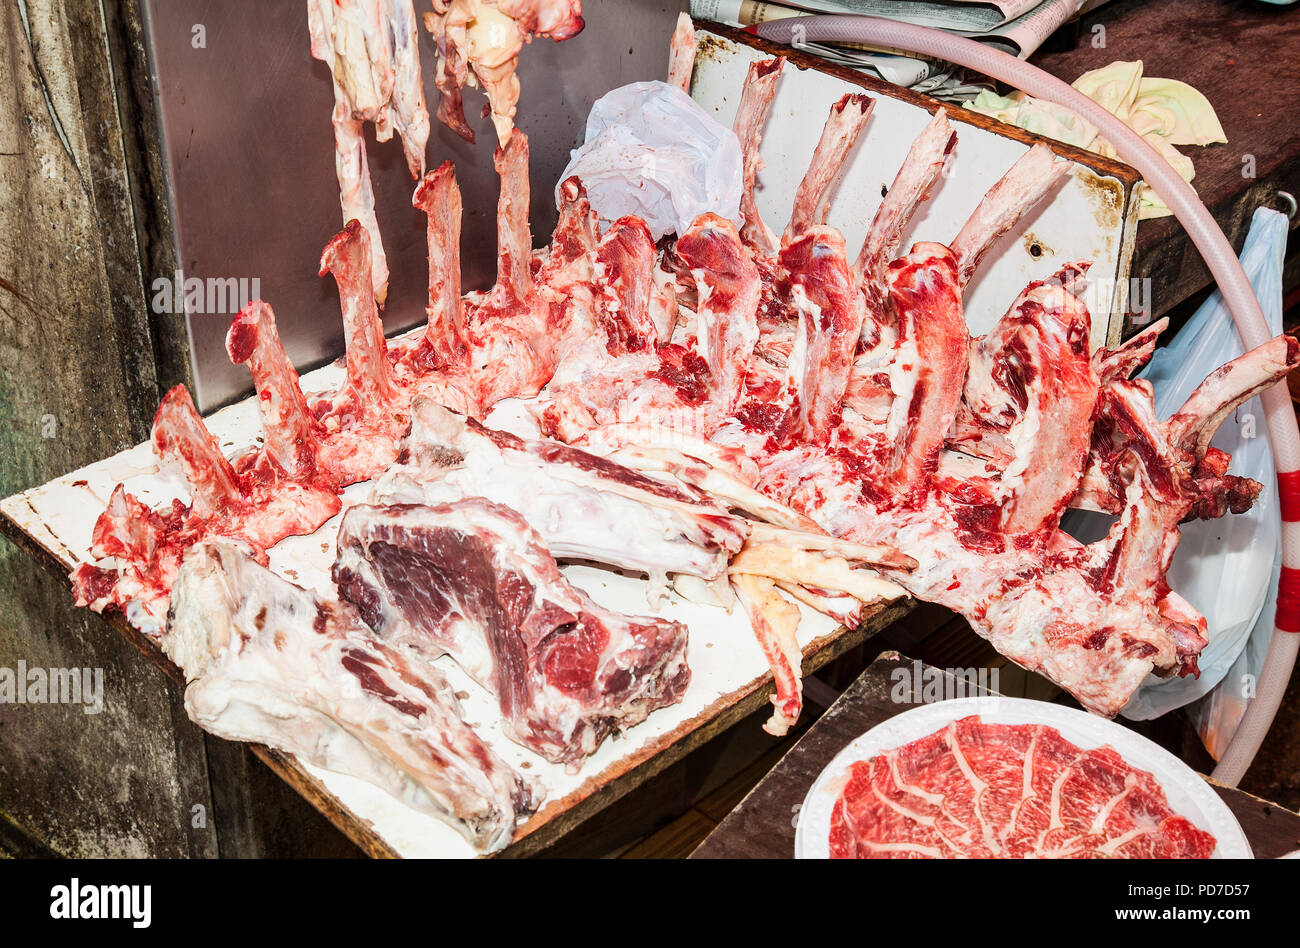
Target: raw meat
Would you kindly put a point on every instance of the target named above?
(372, 49)
(926, 159)
(727, 281)
(751, 115)
(294, 436)
(474, 351)
(583, 506)
(255, 501)
(831, 575)
(812, 202)
(1032, 379)
(775, 622)
(444, 339)
(832, 400)
(1095, 619)
(479, 43)
(824, 293)
(978, 790)
(368, 413)
(681, 53)
(269, 662)
(471, 579)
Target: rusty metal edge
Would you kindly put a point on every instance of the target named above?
(1124, 172)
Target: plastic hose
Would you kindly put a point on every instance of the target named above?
(1223, 265)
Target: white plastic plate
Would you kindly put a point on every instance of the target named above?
(1188, 794)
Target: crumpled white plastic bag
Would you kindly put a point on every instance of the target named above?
(1227, 568)
(651, 150)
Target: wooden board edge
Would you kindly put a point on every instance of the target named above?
(359, 830)
(50, 561)
(1218, 785)
(722, 714)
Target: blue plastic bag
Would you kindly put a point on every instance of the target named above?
(1228, 567)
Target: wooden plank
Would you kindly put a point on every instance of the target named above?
(717, 805)
(674, 841)
(763, 825)
(1225, 51)
(743, 751)
(1273, 831)
(77, 382)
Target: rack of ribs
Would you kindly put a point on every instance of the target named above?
(756, 382)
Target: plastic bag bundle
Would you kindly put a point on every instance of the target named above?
(1227, 568)
(651, 150)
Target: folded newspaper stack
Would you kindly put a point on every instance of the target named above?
(1017, 27)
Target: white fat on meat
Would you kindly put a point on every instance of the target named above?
(584, 506)
(271, 663)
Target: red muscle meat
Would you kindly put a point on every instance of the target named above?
(471, 579)
(979, 790)
(270, 662)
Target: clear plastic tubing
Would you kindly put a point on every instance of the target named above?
(1223, 265)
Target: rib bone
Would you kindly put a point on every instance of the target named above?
(751, 117)
(812, 201)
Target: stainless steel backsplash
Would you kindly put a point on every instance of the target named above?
(249, 145)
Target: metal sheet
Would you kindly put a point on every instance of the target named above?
(246, 123)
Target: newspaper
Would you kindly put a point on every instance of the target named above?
(974, 16)
(1017, 27)
(1021, 36)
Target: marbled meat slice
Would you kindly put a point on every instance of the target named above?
(980, 790)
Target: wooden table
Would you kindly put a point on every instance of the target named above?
(762, 826)
(1242, 57)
